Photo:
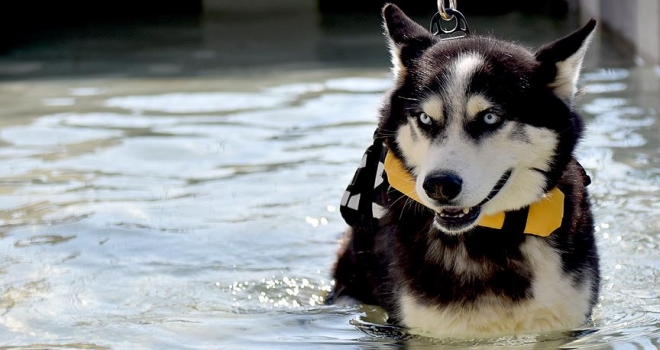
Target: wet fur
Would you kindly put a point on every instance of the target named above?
(479, 282)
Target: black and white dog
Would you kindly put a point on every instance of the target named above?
(484, 226)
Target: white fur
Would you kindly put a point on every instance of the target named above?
(568, 72)
(413, 150)
(556, 304)
(460, 74)
(524, 186)
(398, 69)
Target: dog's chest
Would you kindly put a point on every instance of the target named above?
(556, 302)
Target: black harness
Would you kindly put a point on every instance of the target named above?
(368, 194)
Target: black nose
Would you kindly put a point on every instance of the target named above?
(442, 187)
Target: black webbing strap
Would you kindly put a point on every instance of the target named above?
(365, 198)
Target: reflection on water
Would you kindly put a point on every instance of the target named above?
(182, 213)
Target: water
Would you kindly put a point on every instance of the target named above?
(191, 201)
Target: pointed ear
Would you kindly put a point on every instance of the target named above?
(407, 39)
(561, 61)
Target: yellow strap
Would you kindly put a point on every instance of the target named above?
(399, 177)
(544, 216)
(495, 221)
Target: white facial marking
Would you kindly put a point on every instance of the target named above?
(460, 75)
(414, 149)
(481, 165)
(557, 304)
(524, 185)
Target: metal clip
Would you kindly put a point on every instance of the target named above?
(442, 9)
(447, 15)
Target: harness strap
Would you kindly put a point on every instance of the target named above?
(362, 204)
(365, 197)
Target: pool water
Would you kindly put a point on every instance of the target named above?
(151, 201)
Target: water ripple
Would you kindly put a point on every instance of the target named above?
(212, 215)
(199, 102)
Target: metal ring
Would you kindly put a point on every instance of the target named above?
(442, 9)
(461, 25)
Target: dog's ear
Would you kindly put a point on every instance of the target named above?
(561, 61)
(407, 39)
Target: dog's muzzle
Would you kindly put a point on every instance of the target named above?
(456, 219)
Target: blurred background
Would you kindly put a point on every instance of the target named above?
(183, 37)
(170, 170)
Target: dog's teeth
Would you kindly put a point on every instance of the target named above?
(454, 213)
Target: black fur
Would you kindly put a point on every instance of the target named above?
(373, 265)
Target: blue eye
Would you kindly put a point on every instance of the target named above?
(491, 118)
(425, 119)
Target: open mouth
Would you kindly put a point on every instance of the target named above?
(454, 219)
(457, 219)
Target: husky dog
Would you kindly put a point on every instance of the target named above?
(488, 230)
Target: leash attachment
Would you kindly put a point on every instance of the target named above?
(449, 22)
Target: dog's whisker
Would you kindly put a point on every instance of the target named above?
(408, 98)
(396, 201)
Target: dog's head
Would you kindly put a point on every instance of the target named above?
(484, 126)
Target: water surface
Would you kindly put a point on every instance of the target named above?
(185, 205)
